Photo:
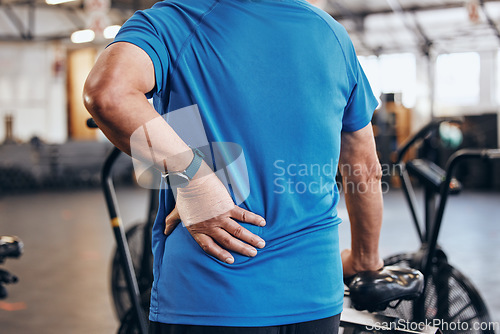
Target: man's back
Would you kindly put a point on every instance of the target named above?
(280, 80)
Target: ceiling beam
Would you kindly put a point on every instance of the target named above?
(16, 21)
(490, 21)
(416, 28)
(415, 9)
(73, 15)
(120, 4)
(49, 38)
(359, 24)
(30, 30)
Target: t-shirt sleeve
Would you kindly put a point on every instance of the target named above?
(140, 31)
(361, 104)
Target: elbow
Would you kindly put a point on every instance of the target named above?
(375, 172)
(372, 173)
(362, 179)
(99, 98)
(367, 173)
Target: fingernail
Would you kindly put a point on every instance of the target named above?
(262, 223)
(261, 244)
(253, 252)
(229, 260)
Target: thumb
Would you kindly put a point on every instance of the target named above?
(345, 254)
(346, 263)
(171, 222)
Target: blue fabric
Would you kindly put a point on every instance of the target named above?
(280, 79)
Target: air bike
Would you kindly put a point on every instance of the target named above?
(449, 299)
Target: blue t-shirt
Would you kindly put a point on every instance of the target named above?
(265, 88)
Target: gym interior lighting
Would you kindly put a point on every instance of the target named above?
(83, 36)
(111, 31)
(57, 2)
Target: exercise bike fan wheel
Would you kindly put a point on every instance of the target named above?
(121, 299)
(450, 301)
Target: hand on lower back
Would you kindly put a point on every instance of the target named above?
(210, 215)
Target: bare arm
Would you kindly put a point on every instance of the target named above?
(114, 94)
(361, 175)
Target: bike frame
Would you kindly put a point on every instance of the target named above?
(433, 212)
(433, 220)
(146, 271)
(121, 240)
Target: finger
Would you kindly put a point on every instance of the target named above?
(242, 233)
(210, 247)
(247, 216)
(229, 242)
(171, 222)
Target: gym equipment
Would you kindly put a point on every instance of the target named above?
(449, 297)
(374, 291)
(130, 304)
(10, 247)
(139, 242)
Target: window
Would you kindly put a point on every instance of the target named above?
(457, 79)
(394, 73)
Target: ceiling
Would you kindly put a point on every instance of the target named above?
(442, 26)
(376, 26)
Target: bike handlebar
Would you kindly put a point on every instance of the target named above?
(10, 247)
(422, 133)
(453, 161)
(91, 123)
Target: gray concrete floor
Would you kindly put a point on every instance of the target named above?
(64, 273)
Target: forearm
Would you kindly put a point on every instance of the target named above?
(364, 203)
(135, 127)
(361, 174)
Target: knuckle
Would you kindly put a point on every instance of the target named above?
(206, 247)
(227, 241)
(243, 216)
(238, 231)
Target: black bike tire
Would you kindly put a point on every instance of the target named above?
(119, 292)
(459, 282)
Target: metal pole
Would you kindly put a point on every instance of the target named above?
(121, 240)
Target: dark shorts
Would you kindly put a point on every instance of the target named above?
(322, 326)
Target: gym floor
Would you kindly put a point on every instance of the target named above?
(64, 272)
